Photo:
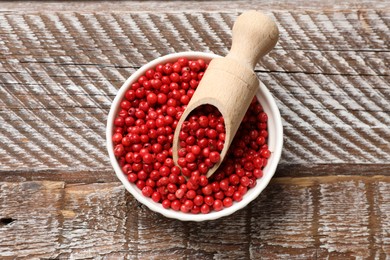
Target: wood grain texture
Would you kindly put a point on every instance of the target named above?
(59, 72)
(48, 220)
(192, 5)
(61, 64)
(96, 220)
(30, 219)
(294, 218)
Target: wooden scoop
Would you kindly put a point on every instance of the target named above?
(230, 83)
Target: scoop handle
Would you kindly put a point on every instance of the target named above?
(229, 83)
(254, 34)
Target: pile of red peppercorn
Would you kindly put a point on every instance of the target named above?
(143, 138)
(202, 138)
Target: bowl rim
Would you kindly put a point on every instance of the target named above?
(275, 143)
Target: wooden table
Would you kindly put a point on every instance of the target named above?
(61, 65)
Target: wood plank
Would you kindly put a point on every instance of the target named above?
(30, 219)
(284, 217)
(381, 208)
(98, 222)
(346, 234)
(295, 218)
(49, 220)
(160, 237)
(179, 6)
(59, 73)
(326, 217)
(226, 238)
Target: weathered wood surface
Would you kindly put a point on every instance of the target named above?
(295, 218)
(59, 72)
(190, 5)
(61, 65)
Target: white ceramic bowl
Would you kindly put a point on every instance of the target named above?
(275, 143)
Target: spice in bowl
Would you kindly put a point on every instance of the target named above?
(142, 140)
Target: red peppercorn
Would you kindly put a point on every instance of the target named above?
(148, 158)
(209, 200)
(159, 68)
(230, 191)
(195, 209)
(117, 138)
(161, 98)
(252, 183)
(167, 69)
(188, 204)
(205, 209)
(194, 179)
(190, 157)
(234, 179)
(156, 196)
(149, 73)
(219, 195)
(244, 181)
(257, 173)
(214, 157)
(203, 181)
(147, 191)
(224, 184)
(155, 175)
(242, 189)
(191, 194)
(151, 99)
(183, 61)
(180, 193)
(130, 94)
(119, 150)
(237, 196)
(198, 200)
(227, 202)
(265, 153)
(166, 204)
(217, 205)
(132, 177)
(175, 205)
(171, 197)
(207, 190)
(194, 66)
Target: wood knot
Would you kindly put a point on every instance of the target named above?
(6, 221)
